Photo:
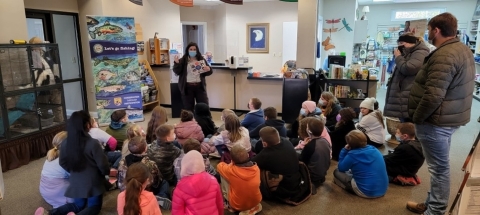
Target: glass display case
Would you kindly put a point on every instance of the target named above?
(31, 96)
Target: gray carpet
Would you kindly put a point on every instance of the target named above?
(22, 195)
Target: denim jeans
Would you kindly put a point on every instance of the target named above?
(163, 192)
(436, 147)
(114, 158)
(81, 206)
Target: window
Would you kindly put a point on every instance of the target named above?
(413, 14)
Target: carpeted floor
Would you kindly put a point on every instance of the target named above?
(22, 196)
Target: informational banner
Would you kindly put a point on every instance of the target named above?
(417, 27)
(237, 2)
(116, 70)
(184, 3)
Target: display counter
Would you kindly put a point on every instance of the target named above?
(230, 88)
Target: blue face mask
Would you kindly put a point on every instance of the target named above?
(192, 53)
(398, 138)
(303, 112)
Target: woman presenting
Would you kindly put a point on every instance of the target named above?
(409, 58)
(192, 69)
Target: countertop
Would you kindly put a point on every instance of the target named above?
(228, 68)
(275, 78)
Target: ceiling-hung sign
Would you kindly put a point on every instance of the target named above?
(184, 3)
(137, 2)
(237, 2)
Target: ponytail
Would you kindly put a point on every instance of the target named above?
(132, 197)
(137, 175)
(53, 153)
(379, 116)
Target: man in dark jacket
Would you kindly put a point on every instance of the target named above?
(408, 157)
(440, 101)
(270, 120)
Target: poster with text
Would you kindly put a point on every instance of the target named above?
(417, 27)
(116, 70)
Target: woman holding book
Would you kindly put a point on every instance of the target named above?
(192, 69)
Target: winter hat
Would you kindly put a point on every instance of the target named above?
(309, 106)
(368, 103)
(192, 163)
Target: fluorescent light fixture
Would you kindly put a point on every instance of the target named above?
(381, 0)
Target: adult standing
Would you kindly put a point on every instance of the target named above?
(440, 101)
(83, 157)
(409, 59)
(192, 69)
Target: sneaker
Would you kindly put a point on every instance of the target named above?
(163, 202)
(252, 211)
(418, 208)
(41, 211)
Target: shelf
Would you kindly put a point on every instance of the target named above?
(352, 99)
(331, 79)
(150, 103)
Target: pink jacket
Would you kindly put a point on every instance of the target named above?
(197, 194)
(148, 203)
(190, 129)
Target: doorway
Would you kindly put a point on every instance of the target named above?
(62, 28)
(195, 32)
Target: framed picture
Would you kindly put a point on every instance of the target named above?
(257, 37)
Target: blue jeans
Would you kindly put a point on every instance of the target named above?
(114, 158)
(163, 192)
(436, 147)
(81, 206)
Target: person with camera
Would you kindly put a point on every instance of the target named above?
(409, 58)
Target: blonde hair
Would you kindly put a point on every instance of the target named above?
(226, 112)
(420, 39)
(232, 125)
(53, 153)
(133, 131)
(331, 100)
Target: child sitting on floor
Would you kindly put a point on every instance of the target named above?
(198, 192)
(135, 199)
(188, 128)
(163, 152)
(138, 149)
(54, 179)
(189, 145)
(233, 134)
(360, 168)
(372, 124)
(118, 127)
(241, 182)
(405, 161)
(133, 131)
(108, 142)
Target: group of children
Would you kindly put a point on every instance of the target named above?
(260, 159)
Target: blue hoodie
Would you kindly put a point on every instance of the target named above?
(368, 169)
(253, 119)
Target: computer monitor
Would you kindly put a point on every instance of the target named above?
(336, 59)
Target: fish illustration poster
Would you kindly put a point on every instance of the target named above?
(116, 70)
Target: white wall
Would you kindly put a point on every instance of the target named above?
(275, 13)
(381, 14)
(201, 14)
(307, 16)
(220, 29)
(55, 5)
(342, 39)
(9, 19)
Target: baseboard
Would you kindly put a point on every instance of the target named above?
(217, 109)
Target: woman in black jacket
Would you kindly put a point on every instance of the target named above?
(344, 125)
(83, 157)
(192, 69)
(409, 59)
(328, 103)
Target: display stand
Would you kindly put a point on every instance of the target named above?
(156, 101)
(470, 187)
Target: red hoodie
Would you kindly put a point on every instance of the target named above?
(197, 194)
(148, 203)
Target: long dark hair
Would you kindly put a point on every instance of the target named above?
(77, 129)
(159, 117)
(137, 174)
(185, 55)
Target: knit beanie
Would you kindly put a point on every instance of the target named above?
(368, 103)
(192, 163)
(309, 106)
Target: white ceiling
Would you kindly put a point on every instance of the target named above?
(370, 2)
